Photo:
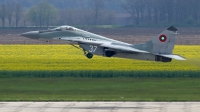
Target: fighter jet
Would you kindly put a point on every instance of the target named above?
(158, 49)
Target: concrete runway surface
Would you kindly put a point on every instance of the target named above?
(99, 106)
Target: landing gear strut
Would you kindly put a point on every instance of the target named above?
(88, 55)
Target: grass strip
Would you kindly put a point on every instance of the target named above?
(101, 74)
(99, 89)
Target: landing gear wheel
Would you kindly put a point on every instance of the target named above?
(89, 55)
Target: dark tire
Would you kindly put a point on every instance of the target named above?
(109, 53)
(89, 55)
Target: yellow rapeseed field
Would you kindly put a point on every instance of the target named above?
(66, 57)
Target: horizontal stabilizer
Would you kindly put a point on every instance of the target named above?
(172, 28)
(177, 57)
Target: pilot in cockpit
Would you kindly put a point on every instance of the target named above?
(62, 28)
(69, 28)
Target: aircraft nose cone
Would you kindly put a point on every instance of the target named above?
(31, 35)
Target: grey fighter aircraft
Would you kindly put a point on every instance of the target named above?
(158, 49)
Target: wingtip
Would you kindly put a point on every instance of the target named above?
(174, 56)
(183, 59)
(180, 58)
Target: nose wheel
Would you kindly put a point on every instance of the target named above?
(89, 55)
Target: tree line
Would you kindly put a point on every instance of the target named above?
(45, 14)
(100, 12)
(11, 11)
(155, 12)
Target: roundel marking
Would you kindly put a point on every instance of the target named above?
(163, 38)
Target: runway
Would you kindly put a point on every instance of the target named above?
(99, 106)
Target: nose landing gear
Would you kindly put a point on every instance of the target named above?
(89, 55)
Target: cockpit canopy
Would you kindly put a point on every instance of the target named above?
(64, 28)
(60, 28)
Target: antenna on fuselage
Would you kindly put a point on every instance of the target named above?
(88, 29)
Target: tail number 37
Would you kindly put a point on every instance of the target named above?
(92, 48)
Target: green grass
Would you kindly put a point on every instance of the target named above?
(101, 89)
(99, 74)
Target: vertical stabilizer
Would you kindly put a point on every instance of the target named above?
(162, 43)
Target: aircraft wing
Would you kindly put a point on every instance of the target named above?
(130, 49)
(177, 57)
(123, 48)
(105, 44)
(120, 47)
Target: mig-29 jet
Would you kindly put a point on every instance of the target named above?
(158, 49)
